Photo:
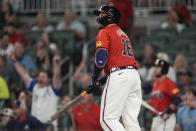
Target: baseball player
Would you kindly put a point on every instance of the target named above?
(165, 98)
(114, 53)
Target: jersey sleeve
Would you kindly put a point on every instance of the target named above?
(32, 85)
(172, 89)
(102, 40)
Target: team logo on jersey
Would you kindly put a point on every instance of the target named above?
(98, 43)
(175, 90)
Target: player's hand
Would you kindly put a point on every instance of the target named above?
(165, 116)
(89, 89)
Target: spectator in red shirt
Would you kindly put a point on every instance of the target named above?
(182, 12)
(16, 36)
(127, 13)
(86, 115)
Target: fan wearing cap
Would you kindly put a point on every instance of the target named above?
(165, 97)
(6, 116)
(22, 120)
(114, 53)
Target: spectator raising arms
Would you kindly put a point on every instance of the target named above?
(45, 91)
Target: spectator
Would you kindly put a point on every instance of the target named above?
(183, 13)
(2, 63)
(6, 48)
(172, 22)
(24, 59)
(45, 91)
(23, 121)
(178, 17)
(65, 122)
(180, 63)
(4, 91)
(43, 57)
(15, 35)
(149, 58)
(7, 73)
(46, 38)
(127, 13)
(194, 72)
(6, 116)
(186, 114)
(86, 114)
(7, 11)
(42, 24)
(71, 23)
(25, 98)
(185, 81)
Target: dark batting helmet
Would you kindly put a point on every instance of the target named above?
(113, 15)
(163, 64)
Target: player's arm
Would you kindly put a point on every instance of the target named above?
(175, 102)
(21, 70)
(101, 57)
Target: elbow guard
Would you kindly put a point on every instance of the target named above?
(101, 57)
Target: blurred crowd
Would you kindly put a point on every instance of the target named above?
(32, 86)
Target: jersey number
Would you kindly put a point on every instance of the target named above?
(127, 50)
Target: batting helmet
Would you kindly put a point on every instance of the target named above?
(113, 15)
(163, 64)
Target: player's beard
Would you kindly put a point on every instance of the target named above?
(100, 26)
(159, 75)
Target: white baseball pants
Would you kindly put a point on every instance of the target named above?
(121, 97)
(158, 124)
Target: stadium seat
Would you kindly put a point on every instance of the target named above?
(189, 31)
(164, 33)
(32, 36)
(65, 41)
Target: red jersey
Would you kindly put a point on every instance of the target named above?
(162, 94)
(120, 51)
(87, 119)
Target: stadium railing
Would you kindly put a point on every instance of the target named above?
(86, 6)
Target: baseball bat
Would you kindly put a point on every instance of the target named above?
(67, 106)
(146, 105)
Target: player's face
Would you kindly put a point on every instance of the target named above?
(43, 79)
(100, 26)
(157, 71)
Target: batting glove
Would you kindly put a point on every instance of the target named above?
(89, 89)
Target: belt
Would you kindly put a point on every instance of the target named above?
(119, 68)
